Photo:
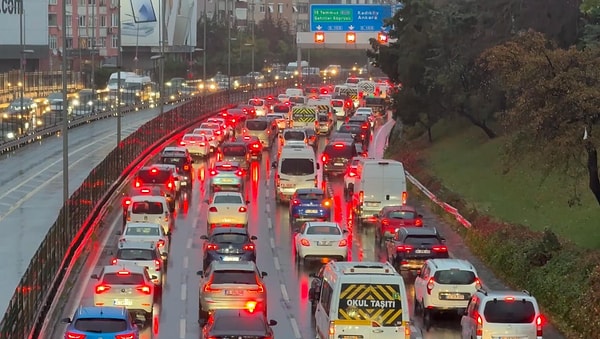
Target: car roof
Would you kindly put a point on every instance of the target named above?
(323, 223)
(142, 245)
(519, 295)
(309, 191)
(148, 198)
(175, 149)
(131, 268)
(451, 263)
(225, 163)
(226, 193)
(233, 265)
(419, 231)
(84, 312)
(229, 230)
(259, 316)
(142, 224)
(164, 167)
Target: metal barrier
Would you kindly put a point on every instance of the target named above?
(37, 84)
(37, 289)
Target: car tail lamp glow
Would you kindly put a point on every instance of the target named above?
(182, 143)
(404, 197)
(242, 209)
(114, 261)
(403, 248)
(186, 167)
(539, 324)
(324, 158)
(239, 173)
(125, 336)
(304, 242)
(208, 287)
(170, 184)
(145, 289)
(430, 285)
(331, 329)
(126, 202)
(343, 243)
(256, 145)
(145, 191)
(479, 324)
(212, 247)
(213, 172)
(440, 248)
(157, 264)
(249, 247)
(137, 183)
(123, 272)
(202, 143)
(154, 171)
(327, 203)
(212, 209)
(160, 243)
(251, 306)
(361, 197)
(352, 173)
(419, 222)
(295, 202)
(338, 145)
(102, 288)
(478, 284)
(71, 335)
(385, 222)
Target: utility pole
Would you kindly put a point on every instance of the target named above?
(93, 56)
(162, 29)
(228, 45)
(65, 116)
(119, 62)
(204, 45)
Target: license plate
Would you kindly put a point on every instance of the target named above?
(122, 302)
(455, 296)
(311, 211)
(323, 243)
(183, 183)
(234, 292)
(511, 337)
(227, 180)
(338, 164)
(231, 258)
(287, 185)
(371, 204)
(422, 251)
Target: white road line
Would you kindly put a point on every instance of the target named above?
(182, 328)
(267, 194)
(269, 223)
(186, 262)
(272, 241)
(276, 263)
(183, 291)
(295, 328)
(189, 243)
(284, 293)
(268, 208)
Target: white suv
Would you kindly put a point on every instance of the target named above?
(502, 314)
(444, 284)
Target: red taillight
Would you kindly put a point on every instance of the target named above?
(365, 126)
(71, 335)
(102, 288)
(338, 146)
(304, 242)
(114, 261)
(154, 171)
(539, 325)
(213, 172)
(324, 158)
(403, 248)
(343, 243)
(202, 143)
(212, 209)
(478, 284)
(327, 203)
(295, 202)
(186, 167)
(352, 173)
(249, 247)
(440, 248)
(160, 243)
(126, 202)
(404, 198)
(182, 143)
(170, 184)
(419, 222)
(430, 285)
(479, 328)
(239, 173)
(145, 190)
(242, 209)
(137, 183)
(145, 289)
(125, 336)
(256, 146)
(218, 132)
(208, 287)
(385, 222)
(212, 247)
(157, 264)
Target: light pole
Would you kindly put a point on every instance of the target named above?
(252, 60)
(119, 70)
(65, 116)
(161, 82)
(228, 45)
(137, 40)
(204, 43)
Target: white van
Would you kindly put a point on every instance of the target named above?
(304, 116)
(379, 183)
(296, 168)
(365, 300)
(294, 92)
(150, 208)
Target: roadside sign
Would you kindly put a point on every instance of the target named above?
(349, 18)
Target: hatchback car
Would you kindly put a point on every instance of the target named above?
(244, 323)
(412, 246)
(255, 147)
(147, 232)
(336, 155)
(229, 285)
(235, 151)
(142, 254)
(156, 177)
(228, 244)
(197, 145)
(226, 176)
(319, 240)
(309, 204)
(97, 322)
(181, 158)
(390, 218)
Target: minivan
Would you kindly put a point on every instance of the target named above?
(296, 168)
(265, 129)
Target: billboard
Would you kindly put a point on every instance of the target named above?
(35, 19)
(140, 22)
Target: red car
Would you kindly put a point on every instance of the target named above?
(249, 110)
(255, 147)
(392, 217)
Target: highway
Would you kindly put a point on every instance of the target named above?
(31, 178)
(287, 284)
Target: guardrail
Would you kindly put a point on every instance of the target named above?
(38, 84)
(37, 289)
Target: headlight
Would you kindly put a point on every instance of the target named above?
(10, 135)
(75, 102)
(5, 115)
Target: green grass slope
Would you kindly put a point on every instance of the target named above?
(471, 165)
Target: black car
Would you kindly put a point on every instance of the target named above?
(314, 292)
(364, 123)
(184, 162)
(228, 243)
(336, 154)
(232, 323)
(412, 246)
(357, 131)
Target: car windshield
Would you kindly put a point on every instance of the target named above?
(230, 238)
(294, 135)
(401, 215)
(234, 277)
(147, 207)
(297, 167)
(227, 199)
(136, 254)
(324, 230)
(153, 177)
(100, 325)
(256, 125)
(204, 131)
(142, 230)
(454, 277)
(234, 150)
(123, 279)
(238, 325)
(355, 129)
(310, 196)
(172, 160)
(193, 138)
(422, 240)
(509, 312)
(256, 102)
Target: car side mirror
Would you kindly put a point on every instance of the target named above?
(274, 164)
(253, 237)
(65, 320)
(95, 276)
(200, 273)
(204, 237)
(318, 166)
(263, 274)
(272, 322)
(466, 312)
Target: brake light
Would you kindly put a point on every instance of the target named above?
(239, 173)
(218, 132)
(539, 323)
(170, 184)
(125, 336)
(246, 137)
(157, 264)
(295, 202)
(304, 242)
(255, 146)
(479, 328)
(478, 284)
(213, 172)
(212, 209)
(186, 167)
(343, 243)
(144, 190)
(365, 126)
(430, 285)
(242, 209)
(327, 203)
(154, 171)
(212, 247)
(331, 329)
(249, 247)
(102, 288)
(419, 222)
(202, 143)
(403, 248)
(251, 306)
(338, 146)
(385, 222)
(126, 202)
(324, 158)
(144, 289)
(404, 198)
(160, 243)
(208, 287)
(352, 173)
(71, 335)
(114, 261)
(137, 183)
(361, 197)
(440, 248)
(182, 143)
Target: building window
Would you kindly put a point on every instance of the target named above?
(113, 20)
(91, 2)
(261, 8)
(81, 21)
(102, 42)
(102, 3)
(52, 42)
(303, 8)
(103, 21)
(52, 20)
(82, 2)
(68, 2)
(91, 22)
(279, 8)
(69, 20)
(52, 2)
(69, 43)
(270, 8)
(115, 41)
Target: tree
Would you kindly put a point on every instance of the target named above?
(553, 96)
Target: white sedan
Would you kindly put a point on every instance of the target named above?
(146, 232)
(227, 209)
(197, 145)
(321, 240)
(213, 140)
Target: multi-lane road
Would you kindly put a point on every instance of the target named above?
(287, 284)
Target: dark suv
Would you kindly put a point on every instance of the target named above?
(158, 179)
(179, 157)
(412, 246)
(336, 155)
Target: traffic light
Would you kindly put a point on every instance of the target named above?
(382, 38)
(350, 38)
(319, 37)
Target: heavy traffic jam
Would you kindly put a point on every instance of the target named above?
(307, 139)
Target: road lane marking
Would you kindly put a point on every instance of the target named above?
(268, 208)
(295, 328)
(284, 293)
(269, 223)
(183, 291)
(186, 262)
(189, 243)
(276, 263)
(182, 328)
(272, 241)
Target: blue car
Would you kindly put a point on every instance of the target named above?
(93, 322)
(309, 204)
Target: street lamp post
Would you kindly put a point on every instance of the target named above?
(65, 116)
(137, 40)
(228, 45)
(204, 44)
